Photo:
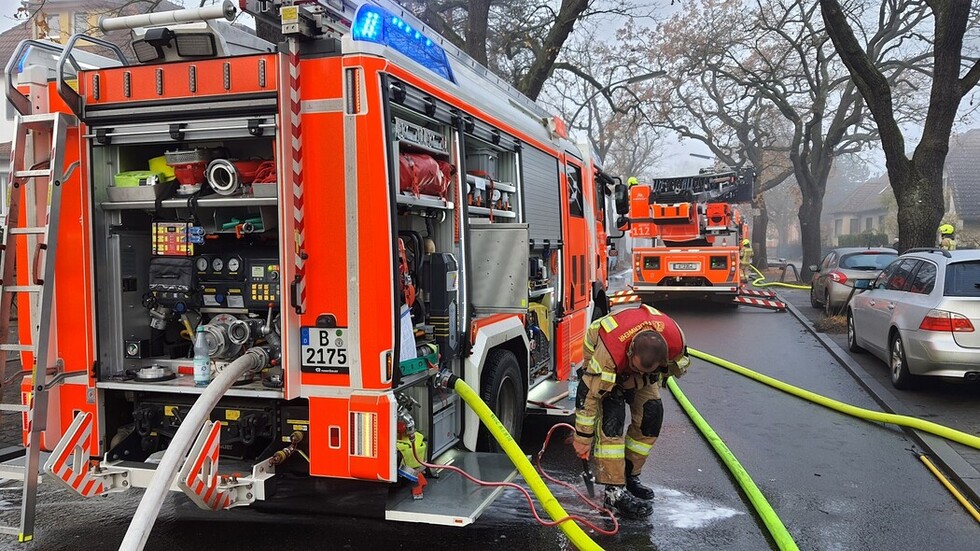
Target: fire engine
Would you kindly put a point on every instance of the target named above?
(687, 233)
(347, 213)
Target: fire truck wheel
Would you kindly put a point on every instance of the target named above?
(503, 392)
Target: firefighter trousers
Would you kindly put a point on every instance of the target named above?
(613, 448)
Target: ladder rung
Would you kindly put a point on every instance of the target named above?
(13, 407)
(39, 119)
(28, 230)
(11, 530)
(44, 173)
(17, 347)
(23, 288)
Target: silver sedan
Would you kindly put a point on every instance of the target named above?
(920, 315)
(834, 279)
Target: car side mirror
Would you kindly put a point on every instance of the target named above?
(814, 268)
(863, 284)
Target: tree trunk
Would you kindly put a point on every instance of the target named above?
(541, 68)
(810, 210)
(476, 30)
(920, 209)
(760, 228)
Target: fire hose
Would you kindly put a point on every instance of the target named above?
(861, 413)
(573, 531)
(165, 473)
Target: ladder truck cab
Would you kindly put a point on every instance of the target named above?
(348, 214)
(686, 234)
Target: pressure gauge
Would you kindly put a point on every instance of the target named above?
(217, 264)
(234, 264)
(202, 264)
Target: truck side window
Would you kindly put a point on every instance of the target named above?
(573, 176)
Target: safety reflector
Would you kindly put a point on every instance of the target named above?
(363, 434)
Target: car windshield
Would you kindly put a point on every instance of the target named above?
(867, 261)
(963, 279)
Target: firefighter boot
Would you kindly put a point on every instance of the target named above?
(626, 504)
(634, 486)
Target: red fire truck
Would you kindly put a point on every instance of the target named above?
(686, 235)
(352, 210)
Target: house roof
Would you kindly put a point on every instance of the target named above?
(963, 173)
(868, 197)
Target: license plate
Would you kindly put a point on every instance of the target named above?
(685, 266)
(324, 350)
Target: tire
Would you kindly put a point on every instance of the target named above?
(897, 363)
(503, 390)
(827, 310)
(813, 300)
(852, 344)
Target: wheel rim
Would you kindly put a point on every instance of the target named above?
(826, 305)
(506, 404)
(850, 331)
(896, 358)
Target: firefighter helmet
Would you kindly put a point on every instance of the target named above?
(746, 242)
(946, 229)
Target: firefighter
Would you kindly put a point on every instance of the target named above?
(627, 355)
(947, 241)
(746, 259)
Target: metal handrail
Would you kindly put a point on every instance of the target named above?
(21, 102)
(67, 93)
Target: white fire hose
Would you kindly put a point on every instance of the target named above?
(180, 445)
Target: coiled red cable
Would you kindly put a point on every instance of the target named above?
(581, 520)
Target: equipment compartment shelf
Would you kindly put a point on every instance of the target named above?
(424, 201)
(211, 202)
(496, 213)
(500, 186)
(184, 384)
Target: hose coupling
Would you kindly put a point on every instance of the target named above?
(445, 379)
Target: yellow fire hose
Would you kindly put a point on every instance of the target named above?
(854, 411)
(573, 531)
(758, 282)
(775, 526)
(867, 414)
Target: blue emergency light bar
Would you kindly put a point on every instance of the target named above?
(374, 24)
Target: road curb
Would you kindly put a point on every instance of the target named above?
(965, 475)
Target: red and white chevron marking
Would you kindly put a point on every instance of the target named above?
(201, 486)
(69, 462)
(762, 303)
(754, 293)
(623, 297)
(296, 146)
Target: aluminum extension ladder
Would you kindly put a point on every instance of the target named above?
(34, 193)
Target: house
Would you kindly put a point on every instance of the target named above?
(962, 189)
(867, 209)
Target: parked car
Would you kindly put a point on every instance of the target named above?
(920, 316)
(833, 280)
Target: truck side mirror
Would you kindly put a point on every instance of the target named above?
(622, 196)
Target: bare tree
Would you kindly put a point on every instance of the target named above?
(916, 181)
(521, 41)
(737, 125)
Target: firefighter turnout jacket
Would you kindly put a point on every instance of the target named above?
(608, 383)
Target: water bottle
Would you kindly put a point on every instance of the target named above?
(572, 387)
(202, 362)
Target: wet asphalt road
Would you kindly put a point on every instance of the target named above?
(837, 483)
(955, 404)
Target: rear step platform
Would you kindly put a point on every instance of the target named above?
(550, 397)
(451, 500)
